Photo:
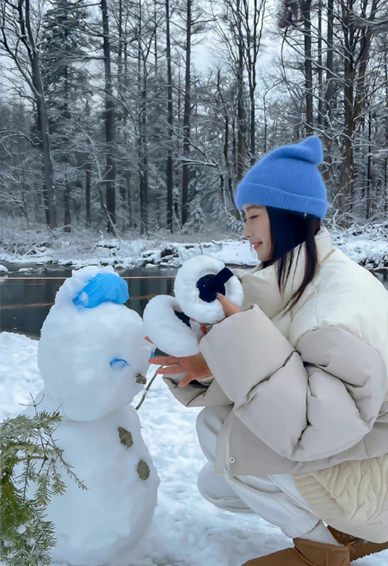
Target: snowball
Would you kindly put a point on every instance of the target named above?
(187, 292)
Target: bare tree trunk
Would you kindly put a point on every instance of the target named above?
(123, 200)
(169, 172)
(179, 93)
(386, 185)
(355, 95)
(368, 196)
(186, 117)
(42, 116)
(241, 117)
(143, 155)
(110, 174)
(386, 133)
(87, 194)
(346, 180)
(120, 43)
(320, 69)
(129, 200)
(265, 122)
(66, 202)
(227, 163)
(361, 102)
(156, 54)
(37, 204)
(226, 142)
(22, 185)
(329, 91)
(65, 137)
(142, 125)
(306, 12)
(234, 146)
(253, 20)
(329, 61)
(253, 127)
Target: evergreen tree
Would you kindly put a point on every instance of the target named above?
(64, 45)
(29, 477)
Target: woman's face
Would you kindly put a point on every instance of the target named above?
(257, 230)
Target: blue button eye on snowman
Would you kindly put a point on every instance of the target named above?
(118, 364)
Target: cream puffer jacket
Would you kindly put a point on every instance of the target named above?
(308, 390)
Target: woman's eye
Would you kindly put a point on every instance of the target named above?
(250, 218)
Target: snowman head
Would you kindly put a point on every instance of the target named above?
(92, 353)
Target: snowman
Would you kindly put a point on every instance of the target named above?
(92, 357)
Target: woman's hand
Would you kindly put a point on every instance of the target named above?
(195, 367)
(228, 307)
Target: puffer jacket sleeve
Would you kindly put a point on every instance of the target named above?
(307, 403)
(201, 393)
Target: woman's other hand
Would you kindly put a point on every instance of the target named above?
(195, 367)
(228, 307)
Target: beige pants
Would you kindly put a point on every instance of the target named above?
(275, 498)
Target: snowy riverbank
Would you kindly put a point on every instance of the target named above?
(367, 245)
(187, 530)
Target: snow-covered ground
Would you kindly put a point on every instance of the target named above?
(187, 530)
(367, 245)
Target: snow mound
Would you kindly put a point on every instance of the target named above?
(19, 373)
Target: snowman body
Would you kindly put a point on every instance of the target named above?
(92, 361)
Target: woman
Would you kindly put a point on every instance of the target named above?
(295, 386)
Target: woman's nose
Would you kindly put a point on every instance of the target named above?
(245, 233)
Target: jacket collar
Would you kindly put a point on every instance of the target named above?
(261, 286)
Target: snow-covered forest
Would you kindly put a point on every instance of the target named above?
(144, 115)
(126, 127)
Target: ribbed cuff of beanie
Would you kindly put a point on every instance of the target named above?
(252, 193)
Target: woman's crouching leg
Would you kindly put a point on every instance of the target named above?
(211, 485)
(209, 423)
(274, 498)
(277, 500)
(214, 488)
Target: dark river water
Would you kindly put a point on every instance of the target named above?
(26, 298)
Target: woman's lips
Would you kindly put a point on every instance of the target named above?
(256, 246)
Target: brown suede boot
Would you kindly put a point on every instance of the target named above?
(358, 547)
(306, 553)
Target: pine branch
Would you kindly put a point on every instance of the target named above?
(27, 536)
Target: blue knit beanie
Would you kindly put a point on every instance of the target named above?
(287, 178)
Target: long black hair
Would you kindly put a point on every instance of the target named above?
(289, 229)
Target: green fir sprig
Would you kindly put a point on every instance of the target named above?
(30, 477)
